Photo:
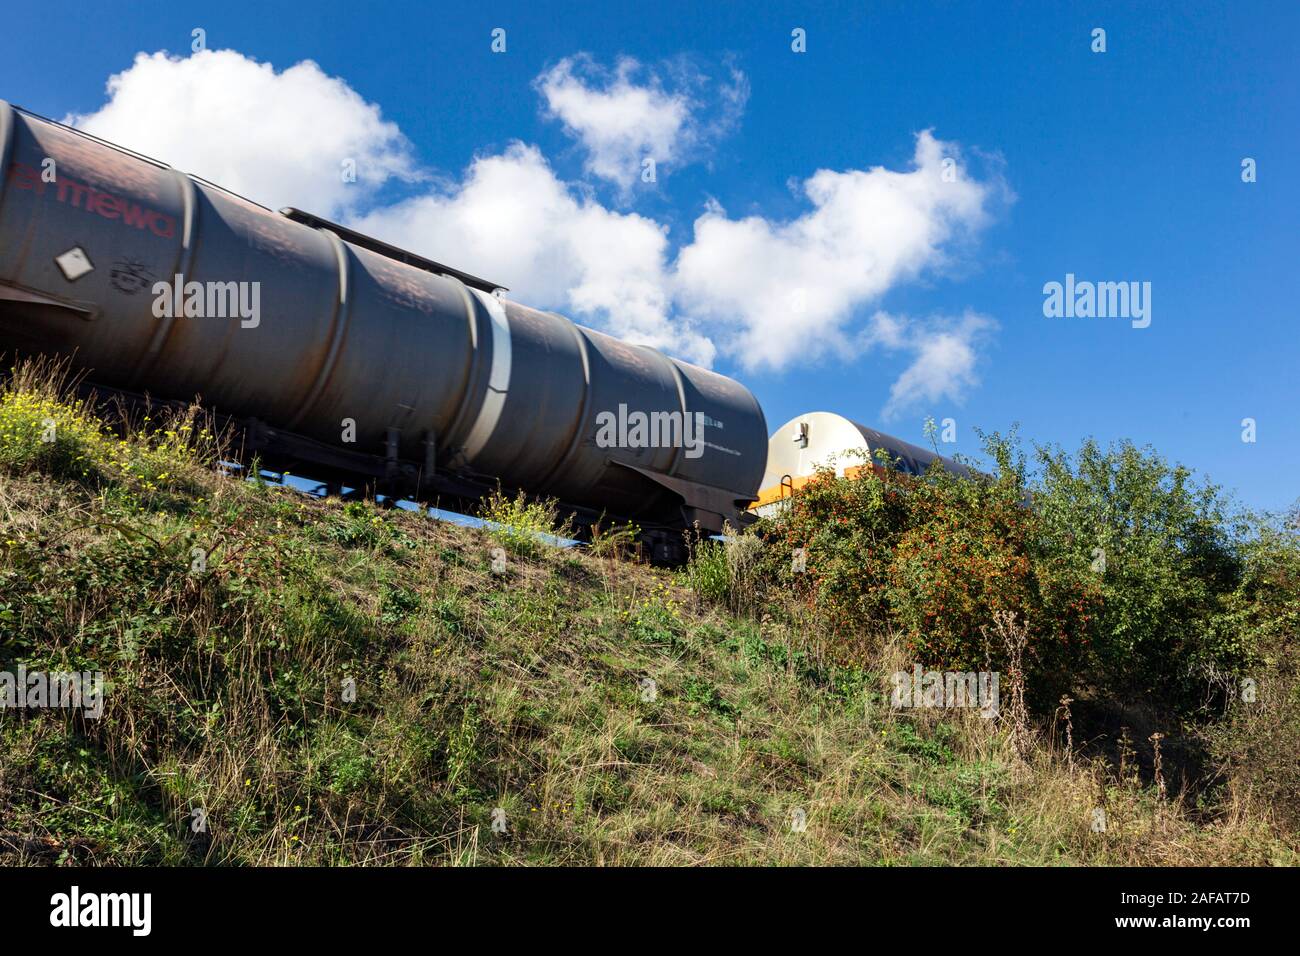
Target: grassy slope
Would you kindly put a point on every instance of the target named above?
(475, 691)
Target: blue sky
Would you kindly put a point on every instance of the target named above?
(1115, 166)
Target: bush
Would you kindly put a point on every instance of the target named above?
(842, 533)
(1116, 562)
(1257, 745)
(1164, 554)
(935, 559)
(969, 557)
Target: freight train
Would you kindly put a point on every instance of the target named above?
(358, 363)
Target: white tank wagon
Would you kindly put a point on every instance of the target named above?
(297, 326)
(815, 440)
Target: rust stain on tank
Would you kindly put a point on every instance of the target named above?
(400, 284)
(104, 168)
(269, 234)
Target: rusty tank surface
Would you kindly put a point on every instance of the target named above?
(354, 354)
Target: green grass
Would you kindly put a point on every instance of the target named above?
(524, 691)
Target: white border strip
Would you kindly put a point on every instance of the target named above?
(498, 377)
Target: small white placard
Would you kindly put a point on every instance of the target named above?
(74, 263)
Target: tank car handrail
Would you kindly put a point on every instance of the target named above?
(379, 247)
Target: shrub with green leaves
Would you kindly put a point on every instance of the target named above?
(1257, 744)
(1118, 562)
(934, 559)
(1164, 552)
(969, 555)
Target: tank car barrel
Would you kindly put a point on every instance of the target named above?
(158, 282)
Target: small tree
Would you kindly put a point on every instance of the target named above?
(1162, 551)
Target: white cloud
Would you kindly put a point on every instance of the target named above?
(513, 221)
(765, 293)
(621, 122)
(946, 354)
(883, 329)
(778, 292)
(278, 138)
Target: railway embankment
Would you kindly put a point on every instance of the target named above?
(218, 671)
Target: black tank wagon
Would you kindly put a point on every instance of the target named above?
(150, 281)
